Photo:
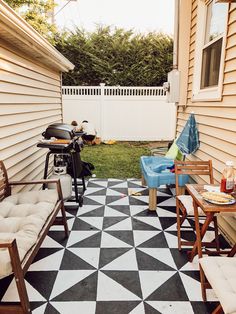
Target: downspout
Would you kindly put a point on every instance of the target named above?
(176, 35)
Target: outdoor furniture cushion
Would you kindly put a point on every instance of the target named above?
(22, 216)
(187, 201)
(221, 274)
(155, 174)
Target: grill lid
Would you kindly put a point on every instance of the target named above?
(59, 131)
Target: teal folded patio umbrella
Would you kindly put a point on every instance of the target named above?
(188, 140)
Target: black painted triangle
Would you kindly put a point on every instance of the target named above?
(42, 281)
(98, 212)
(128, 279)
(185, 235)
(164, 190)
(109, 221)
(85, 290)
(204, 307)
(72, 209)
(93, 184)
(35, 305)
(136, 201)
(150, 310)
(44, 252)
(134, 185)
(194, 274)
(166, 222)
(147, 213)
(107, 255)
(139, 225)
(113, 183)
(89, 201)
(4, 284)
(161, 199)
(71, 261)
(180, 258)
(121, 307)
(147, 262)
(50, 310)
(79, 224)
(120, 190)
(124, 209)
(93, 241)
(124, 235)
(158, 241)
(112, 198)
(58, 236)
(172, 290)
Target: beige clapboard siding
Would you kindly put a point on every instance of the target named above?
(30, 100)
(216, 119)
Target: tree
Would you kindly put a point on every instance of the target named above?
(116, 57)
(37, 13)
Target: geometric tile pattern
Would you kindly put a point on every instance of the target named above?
(119, 258)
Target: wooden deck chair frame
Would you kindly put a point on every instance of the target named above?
(19, 268)
(192, 168)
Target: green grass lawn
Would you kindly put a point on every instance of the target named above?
(120, 160)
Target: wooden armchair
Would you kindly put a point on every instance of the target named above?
(11, 261)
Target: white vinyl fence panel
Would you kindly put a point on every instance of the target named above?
(121, 113)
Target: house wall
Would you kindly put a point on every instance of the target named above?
(30, 99)
(216, 119)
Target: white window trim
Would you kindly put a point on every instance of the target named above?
(209, 93)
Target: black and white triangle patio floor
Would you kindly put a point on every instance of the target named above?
(119, 258)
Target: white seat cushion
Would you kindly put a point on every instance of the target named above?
(22, 216)
(221, 274)
(187, 201)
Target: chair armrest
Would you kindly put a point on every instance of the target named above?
(6, 243)
(34, 182)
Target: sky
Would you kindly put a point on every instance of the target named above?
(142, 16)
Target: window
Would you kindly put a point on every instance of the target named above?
(210, 46)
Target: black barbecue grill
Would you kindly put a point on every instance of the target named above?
(67, 143)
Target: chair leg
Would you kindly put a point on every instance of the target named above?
(218, 310)
(63, 212)
(178, 226)
(19, 278)
(203, 283)
(216, 234)
(152, 199)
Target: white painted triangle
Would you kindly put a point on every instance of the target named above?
(41, 309)
(48, 242)
(68, 278)
(115, 180)
(91, 190)
(123, 184)
(125, 224)
(108, 241)
(138, 309)
(141, 236)
(122, 201)
(126, 261)
(135, 209)
(110, 290)
(111, 192)
(152, 221)
(101, 183)
(51, 262)
(101, 199)
(174, 226)
(171, 307)
(110, 212)
(11, 294)
(93, 221)
(165, 213)
(172, 240)
(161, 254)
(170, 202)
(89, 255)
(86, 209)
(87, 307)
(133, 191)
(152, 280)
(194, 265)
(77, 236)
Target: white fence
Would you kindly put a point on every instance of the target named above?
(121, 113)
